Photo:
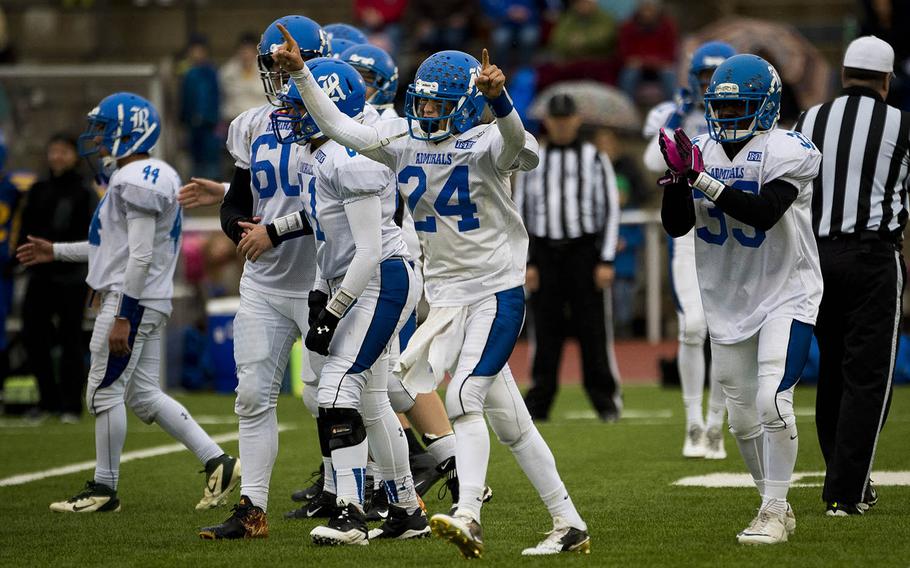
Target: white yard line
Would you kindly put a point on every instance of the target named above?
(800, 479)
(128, 456)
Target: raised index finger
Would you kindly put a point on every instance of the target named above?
(288, 39)
(485, 59)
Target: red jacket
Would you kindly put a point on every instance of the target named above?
(654, 46)
(391, 10)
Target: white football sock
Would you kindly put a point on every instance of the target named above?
(753, 451)
(350, 465)
(442, 448)
(472, 452)
(176, 420)
(328, 483)
(717, 405)
(390, 450)
(537, 462)
(258, 450)
(110, 435)
(780, 458)
(691, 362)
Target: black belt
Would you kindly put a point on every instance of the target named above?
(863, 236)
(559, 243)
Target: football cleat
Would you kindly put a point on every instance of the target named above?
(768, 528)
(462, 531)
(376, 504)
(790, 520)
(695, 444)
(96, 497)
(403, 526)
(246, 521)
(714, 444)
(222, 475)
(308, 494)
(563, 538)
(322, 506)
(841, 509)
(870, 497)
(349, 526)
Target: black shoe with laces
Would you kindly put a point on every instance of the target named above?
(322, 506)
(870, 497)
(840, 509)
(424, 472)
(349, 526)
(376, 504)
(94, 498)
(304, 495)
(447, 468)
(403, 526)
(246, 521)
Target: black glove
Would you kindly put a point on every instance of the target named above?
(321, 331)
(317, 301)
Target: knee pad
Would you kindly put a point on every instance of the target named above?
(340, 428)
(693, 329)
(467, 395)
(510, 430)
(253, 397)
(775, 409)
(744, 423)
(401, 399)
(145, 405)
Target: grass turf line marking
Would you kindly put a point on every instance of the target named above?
(24, 478)
(799, 479)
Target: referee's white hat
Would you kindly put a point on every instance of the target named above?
(870, 53)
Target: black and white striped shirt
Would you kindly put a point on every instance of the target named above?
(863, 182)
(570, 195)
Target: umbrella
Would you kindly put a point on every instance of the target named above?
(797, 61)
(598, 104)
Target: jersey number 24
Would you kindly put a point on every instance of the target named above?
(456, 185)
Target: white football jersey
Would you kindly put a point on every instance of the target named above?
(332, 176)
(148, 186)
(749, 276)
(287, 270)
(694, 124)
(386, 112)
(471, 234)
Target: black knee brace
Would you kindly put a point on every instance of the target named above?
(339, 428)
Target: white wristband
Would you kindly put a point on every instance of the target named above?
(340, 303)
(288, 224)
(711, 187)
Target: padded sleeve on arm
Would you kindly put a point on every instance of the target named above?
(237, 205)
(762, 210)
(71, 252)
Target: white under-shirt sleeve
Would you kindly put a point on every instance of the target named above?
(71, 252)
(141, 236)
(365, 218)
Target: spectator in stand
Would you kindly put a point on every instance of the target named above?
(882, 18)
(382, 18)
(239, 79)
(59, 208)
(584, 31)
(200, 101)
(647, 49)
(437, 25)
(615, 143)
(516, 28)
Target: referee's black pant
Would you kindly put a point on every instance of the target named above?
(857, 332)
(567, 280)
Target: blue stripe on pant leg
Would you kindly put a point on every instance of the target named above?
(394, 285)
(797, 354)
(116, 365)
(510, 314)
(410, 326)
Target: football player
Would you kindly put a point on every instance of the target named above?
(688, 112)
(746, 188)
(453, 171)
(274, 305)
(379, 72)
(345, 32)
(365, 272)
(132, 249)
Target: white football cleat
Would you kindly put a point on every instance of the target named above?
(790, 520)
(222, 475)
(563, 538)
(714, 444)
(695, 445)
(461, 530)
(96, 497)
(768, 528)
(349, 526)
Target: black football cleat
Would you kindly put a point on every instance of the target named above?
(401, 526)
(841, 509)
(424, 472)
(94, 498)
(377, 506)
(322, 506)
(246, 521)
(349, 526)
(304, 495)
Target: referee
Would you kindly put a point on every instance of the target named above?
(859, 210)
(570, 206)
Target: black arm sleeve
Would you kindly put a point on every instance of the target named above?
(677, 210)
(278, 239)
(761, 211)
(237, 205)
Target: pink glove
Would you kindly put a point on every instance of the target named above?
(676, 161)
(689, 153)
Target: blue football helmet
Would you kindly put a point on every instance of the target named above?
(123, 124)
(378, 70)
(345, 31)
(341, 82)
(313, 43)
(446, 79)
(742, 99)
(339, 44)
(706, 58)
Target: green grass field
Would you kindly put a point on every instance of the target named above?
(619, 475)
